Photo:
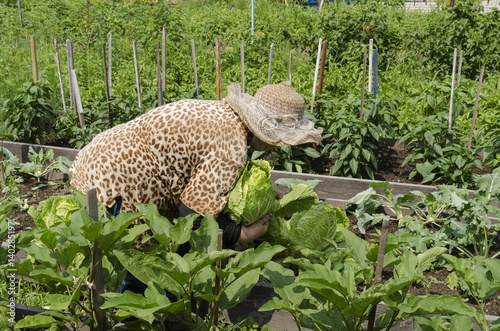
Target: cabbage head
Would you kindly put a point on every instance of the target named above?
(55, 210)
(253, 195)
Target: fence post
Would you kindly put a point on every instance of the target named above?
(33, 59)
(97, 278)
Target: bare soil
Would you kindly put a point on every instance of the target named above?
(390, 161)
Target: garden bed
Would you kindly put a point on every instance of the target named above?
(334, 190)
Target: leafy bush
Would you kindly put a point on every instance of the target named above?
(30, 116)
(439, 154)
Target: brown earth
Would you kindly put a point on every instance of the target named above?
(390, 159)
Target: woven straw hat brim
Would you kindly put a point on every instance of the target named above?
(265, 124)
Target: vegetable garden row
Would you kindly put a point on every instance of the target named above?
(324, 263)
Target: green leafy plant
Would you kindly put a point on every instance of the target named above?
(480, 278)
(42, 163)
(438, 153)
(30, 116)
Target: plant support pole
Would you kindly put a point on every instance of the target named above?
(316, 74)
(375, 73)
(106, 84)
(68, 59)
(33, 59)
(362, 88)
(475, 107)
(20, 13)
(217, 279)
(96, 274)
(290, 68)
(380, 266)
(370, 66)
(137, 78)
(109, 61)
(218, 68)
(59, 74)
(270, 70)
(194, 67)
(242, 57)
(450, 116)
(78, 101)
(158, 75)
(163, 57)
(459, 67)
(322, 70)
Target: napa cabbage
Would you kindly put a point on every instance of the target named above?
(253, 195)
(55, 210)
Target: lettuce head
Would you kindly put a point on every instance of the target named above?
(55, 210)
(253, 195)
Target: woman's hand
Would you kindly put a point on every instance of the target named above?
(254, 231)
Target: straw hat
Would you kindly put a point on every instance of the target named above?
(275, 114)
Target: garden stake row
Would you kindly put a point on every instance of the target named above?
(137, 78)
(475, 107)
(380, 266)
(59, 74)
(33, 59)
(106, 83)
(194, 66)
(316, 74)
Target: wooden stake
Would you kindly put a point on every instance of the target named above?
(459, 67)
(137, 78)
(290, 68)
(194, 67)
(362, 88)
(70, 67)
(270, 70)
(450, 116)
(88, 10)
(475, 108)
(96, 274)
(106, 84)
(380, 267)
(218, 68)
(370, 66)
(242, 57)
(375, 72)
(217, 279)
(78, 101)
(59, 74)
(20, 13)
(158, 75)
(316, 74)
(33, 59)
(109, 62)
(322, 70)
(163, 57)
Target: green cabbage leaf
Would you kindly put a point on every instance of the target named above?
(55, 210)
(253, 195)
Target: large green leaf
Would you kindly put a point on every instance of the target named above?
(239, 289)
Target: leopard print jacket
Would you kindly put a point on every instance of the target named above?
(189, 151)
